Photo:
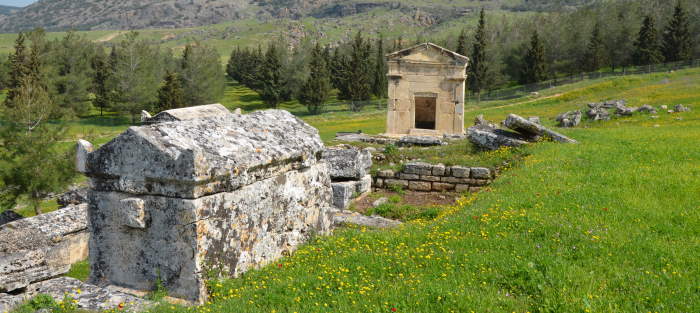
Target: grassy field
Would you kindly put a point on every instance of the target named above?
(608, 225)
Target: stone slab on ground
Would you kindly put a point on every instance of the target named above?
(41, 247)
(522, 125)
(188, 113)
(341, 217)
(492, 138)
(423, 141)
(88, 296)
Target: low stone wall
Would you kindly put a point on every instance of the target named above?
(418, 176)
(42, 247)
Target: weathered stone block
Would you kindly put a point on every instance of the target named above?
(188, 113)
(41, 247)
(460, 171)
(386, 174)
(409, 176)
(480, 182)
(492, 139)
(430, 178)
(461, 188)
(418, 168)
(347, 162)
(342, 193)
(438, 170)
(349, 217)
(443, 186)
(364, 184)
(227, 193)
(379, 183)
(83, 148)
(396, 182)
(480, 173)
(88, 296)
(456, 180)
(520, 124)
(419, 186)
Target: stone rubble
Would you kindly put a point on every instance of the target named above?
(349, 172)
(569, 119)
(170, 200)
(42, 247)
(533, 130)
(681, 108)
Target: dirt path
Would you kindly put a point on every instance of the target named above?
(110, 36)
(516, 103)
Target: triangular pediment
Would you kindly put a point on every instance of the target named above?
(428, 53)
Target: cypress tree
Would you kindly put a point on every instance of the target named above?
(19, 68)
(358, 73)
(171, 95)
(462, 43)
(379, 86)
(478, 68)
(677, 41)
(100, 78)
(595, 56)
(534, 69)
(647, 50)
(73, 74)
(269, 83)
(201, 75)
(316, 90)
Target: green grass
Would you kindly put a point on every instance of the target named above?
(611, 224)
(80, 270)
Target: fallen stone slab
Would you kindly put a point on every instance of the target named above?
(42, 247)
(188, 113)
(531, 129)
(423, 141)
(492, 139)
(568, 119)
(343, 217)
(347, 162)
(87, 296)
(598, 114)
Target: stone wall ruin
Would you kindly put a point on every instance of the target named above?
(228, 192)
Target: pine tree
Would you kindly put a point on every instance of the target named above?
(678, 42)
(269, 83)
(534, 69)
(462, 43)
(19, 68)
(316, 90)
(33, 163)
(358, 73)
(70, 57)
(595, 56)
(171, 95)
(478, 69)
(380, 85)
(100, 78)
(201, 75)
(647, 50)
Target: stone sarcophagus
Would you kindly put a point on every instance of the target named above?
(426, 91)
(171, 201)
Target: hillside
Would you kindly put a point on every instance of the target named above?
(56, 15)
(7, 10)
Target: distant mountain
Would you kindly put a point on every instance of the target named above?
(138, 14)
(7, 10)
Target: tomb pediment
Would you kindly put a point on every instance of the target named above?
(428, 53)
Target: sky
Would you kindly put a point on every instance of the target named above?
(16, 3)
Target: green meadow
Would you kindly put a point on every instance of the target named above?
(611, 224)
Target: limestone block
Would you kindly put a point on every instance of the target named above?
(10, 301)
(528, 128)
(443, 186)
(348, 217)
(364, 184)
(347, 162)
(204, 156)
(343, 193)
(419, 186)
(396, 182)
(133, 213)
(87, 296)
(41, 247)
(474, 189)
(462, 188)
(430, 178)
(409, 176)
(424, 141)
(83, 148)
(438, 170)
(386, 174)
(456, 180)
(418, 168)
(492, 139)
(188, 113)
(460, 171)
(480, 173)
(145, 116)
(379, 183)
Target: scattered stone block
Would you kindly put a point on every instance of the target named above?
(647, 109)
(480, 173)
(492, 139)
(231, 191)
(380, 201)
(460, 171)
(423, 141)
(681, 108)
(419, 186)
(524, 126)
(364, 184)
(568, 119)
(347, 162)
(41, 247)
(348, 217)
(379, 183)
(343, 193)
(598, 114)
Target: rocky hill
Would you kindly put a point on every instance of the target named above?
(7, 10)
